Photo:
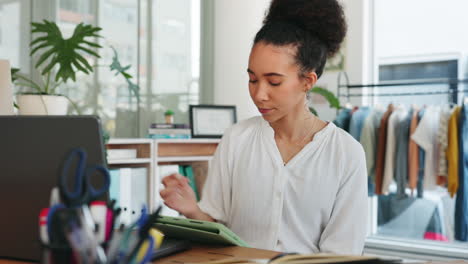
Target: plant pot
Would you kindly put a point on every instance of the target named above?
(35, 104)
(169, 119)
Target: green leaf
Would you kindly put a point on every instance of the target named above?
(119, 69)
(84, 62)
(50, 66)
(95, 45)
(313, 111)
(79, 67)
(89, 51)
(66, 53)
(44, 57)
(41, 39)
(13, 73)
(38, 47)
(329, 96)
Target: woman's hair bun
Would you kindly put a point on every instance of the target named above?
(324, 19)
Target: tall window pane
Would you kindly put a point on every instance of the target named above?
(83, 92)
(10, 31)
(176, 45)
(119, 22)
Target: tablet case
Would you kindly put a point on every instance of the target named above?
(198, 231)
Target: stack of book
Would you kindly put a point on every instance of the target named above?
(171, 131)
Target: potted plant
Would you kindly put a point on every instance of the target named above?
(60, 59)
(169, 116)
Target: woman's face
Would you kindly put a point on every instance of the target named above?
(274, 82)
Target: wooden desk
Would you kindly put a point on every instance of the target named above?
(207, 253)
(200, 254)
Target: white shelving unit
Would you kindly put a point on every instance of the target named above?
(154, 152)
(128, 161)
(177, 151)
(145, 158)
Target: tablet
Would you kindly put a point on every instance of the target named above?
(198, 231)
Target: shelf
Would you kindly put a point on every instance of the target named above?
(129, 141)
(191, 141)
(128, 161)
(184, 159)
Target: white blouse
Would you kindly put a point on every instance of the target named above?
(317, 202)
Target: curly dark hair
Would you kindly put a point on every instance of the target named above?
(315, 28)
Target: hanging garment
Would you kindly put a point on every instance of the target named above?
(357, 122)
(461, 202)
(426, 137)
(452, 152)
(343, 118)
(422, 161)
(408, 217)
(401, 157)
(397, 116)
(442, 137)
(413, 154)
(369, 137)
(381, 148)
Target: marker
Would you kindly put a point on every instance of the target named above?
(109, 225)
(43, 225)
(99, 213)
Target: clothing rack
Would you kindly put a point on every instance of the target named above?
(453, 88)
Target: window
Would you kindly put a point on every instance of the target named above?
(176, 52)
(407, 50)
(161, 42)
(10, 25)
(409, 72)
(416, 217)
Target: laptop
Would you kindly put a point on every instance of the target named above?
(32, 149)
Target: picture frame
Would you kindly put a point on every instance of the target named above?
(210, 121)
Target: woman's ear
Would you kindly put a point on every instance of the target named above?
(310, 78)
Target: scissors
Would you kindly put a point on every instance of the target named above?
(83, 192)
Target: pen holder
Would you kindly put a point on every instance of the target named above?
(56, 253)
(53, 254)
(71, 239)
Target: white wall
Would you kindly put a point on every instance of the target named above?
(358, 52)
(237, 22)
(420, 28)
(235, 25)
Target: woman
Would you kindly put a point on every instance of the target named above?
(286, 181)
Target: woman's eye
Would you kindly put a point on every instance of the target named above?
(252, 81)
(275, 84)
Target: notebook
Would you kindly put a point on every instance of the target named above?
(198, 231)
(309, 259)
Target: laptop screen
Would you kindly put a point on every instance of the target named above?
(32, 149)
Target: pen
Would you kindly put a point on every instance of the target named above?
(143, 233)
(98, 211)
(109, 225)
(54, 196)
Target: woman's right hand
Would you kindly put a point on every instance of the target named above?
(178, 195)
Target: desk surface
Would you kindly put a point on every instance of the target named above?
(208, 253)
